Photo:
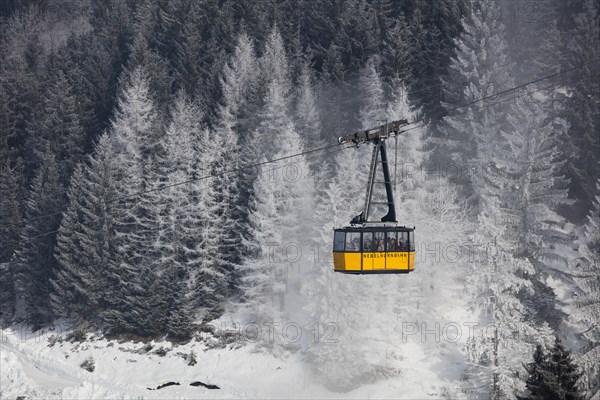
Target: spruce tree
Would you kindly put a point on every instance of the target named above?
(308, 118)
(227, 192)
(587, 277)
(281, 206)
(136, 139)
(179, 309)
(532, 189)
(343, 363)
(22, 85)
(34, 259)
(150, 306)
(373, 111)
(7, 293)
(190, 54)
(112, 22)
(475, 139)
(562, 374)
(275, 114)
(10, 226)
(583, 105)
(432, 33)
(181, 219)
(263, 276)
(10, 214)
(217, 279)
(74, 284)
(478, 69)
(240, 88)
(157, 70)
(60, 127)
(86, 240)
(537, 381)
(396, 51)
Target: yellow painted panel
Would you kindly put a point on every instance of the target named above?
(397, 260)
(339, 263)
(367, 261)
(379, 260)
(373, 261)
(352, 261)
(346, 261)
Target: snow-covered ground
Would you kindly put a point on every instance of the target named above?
(32, 366)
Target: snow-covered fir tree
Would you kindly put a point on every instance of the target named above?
(307, 115)
(552, 374)
(10, 226)
(333, 304)
(239, 83)
(10, 214)
(239, 116)
(533, 188)
(87, 240)
(275, 115)
(497, 280)
(537, 379)
(474, 136)
(60, 127)
(583, 104)
(76, 283)
(131, 202)
(282, 222)
(34, 259)
(478, 69)
(229, 151)
(181, 218)
(217, 279)
(137, 146)
(587, 312)
(373, 112)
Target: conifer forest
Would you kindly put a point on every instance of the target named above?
(171, 178)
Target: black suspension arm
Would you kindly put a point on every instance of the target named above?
(391, 215)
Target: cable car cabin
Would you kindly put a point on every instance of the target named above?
(374, 250)
(375, 247)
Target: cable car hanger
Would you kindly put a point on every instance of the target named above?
(377, 136)
(375, 247)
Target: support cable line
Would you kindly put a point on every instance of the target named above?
(441, 114)
(64, 192)
(163, 187)
(512, 89)
(445, 112)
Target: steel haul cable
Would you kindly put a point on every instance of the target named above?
(445, 112)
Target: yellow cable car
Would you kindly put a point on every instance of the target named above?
(369, 247)
(374, 250)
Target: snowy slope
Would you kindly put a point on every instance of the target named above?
(30, 366)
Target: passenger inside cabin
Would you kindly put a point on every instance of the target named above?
(401, 245)
(391, 244)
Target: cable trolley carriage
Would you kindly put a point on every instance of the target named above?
(375, 247)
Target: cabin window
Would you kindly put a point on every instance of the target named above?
(391, 241)
(367, 243)
(352, 241)
(338, 240)
(379, 241)
(402, 243)
(411, 241)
